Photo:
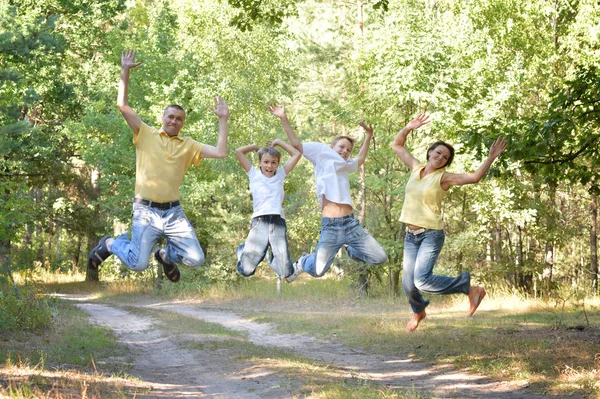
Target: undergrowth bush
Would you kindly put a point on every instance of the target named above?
(30, 312)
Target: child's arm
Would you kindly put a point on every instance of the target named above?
(279, 111)
(362, 154)
(241, 152)
(295, 155)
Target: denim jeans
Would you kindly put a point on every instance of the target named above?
(265, 231)
(336, 232)
(420, 255)
(148, 225)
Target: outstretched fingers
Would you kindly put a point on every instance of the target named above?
(422, 119)
(277, 110)
(498, 147)
(368, 128)
(220, 108)
(128, 59)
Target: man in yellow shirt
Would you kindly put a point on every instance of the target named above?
(162, 158)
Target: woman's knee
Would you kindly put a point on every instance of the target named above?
(421, 284)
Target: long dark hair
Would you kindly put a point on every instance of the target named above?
(448, 146)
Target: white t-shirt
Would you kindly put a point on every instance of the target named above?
(331, 172)
(267, 192)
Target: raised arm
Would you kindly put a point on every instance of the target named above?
(364, 149)
(127, 63)
(241, 152)
(220, 151)
(279, 111)
(459, 179)
(295, 155)
(400, 139)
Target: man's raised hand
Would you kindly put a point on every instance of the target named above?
(220, 109)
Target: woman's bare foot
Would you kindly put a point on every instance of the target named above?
(414, 322)
(476, 295)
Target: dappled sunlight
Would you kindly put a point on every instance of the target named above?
(66, 383)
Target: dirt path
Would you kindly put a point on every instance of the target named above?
(177, 372)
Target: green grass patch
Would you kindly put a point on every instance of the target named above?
(71, 357)
(553, 345)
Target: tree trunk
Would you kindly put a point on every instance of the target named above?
(92, 274)
(594, 241)
(75, 260)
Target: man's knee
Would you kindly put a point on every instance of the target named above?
(194, 259)
(139, 265)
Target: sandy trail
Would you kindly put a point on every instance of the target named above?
(176, 372)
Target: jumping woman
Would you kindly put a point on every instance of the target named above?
(425, 190)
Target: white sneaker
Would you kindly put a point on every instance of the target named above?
(297, 269)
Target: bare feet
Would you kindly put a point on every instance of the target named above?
(476, 295)
(414, 322)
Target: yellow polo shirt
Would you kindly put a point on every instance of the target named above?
(161, 161)
(423, 199)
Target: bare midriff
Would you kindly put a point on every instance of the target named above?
(414, 227)
(335, 210)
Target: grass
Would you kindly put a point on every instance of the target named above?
(515, 338)
(71, 359)
(305, 376)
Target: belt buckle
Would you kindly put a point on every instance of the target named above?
(418, 231)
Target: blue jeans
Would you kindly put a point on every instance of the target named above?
(148, 225)
(420, 255)
(265, 231)
(336, 232)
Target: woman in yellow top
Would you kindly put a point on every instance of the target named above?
(426, 187)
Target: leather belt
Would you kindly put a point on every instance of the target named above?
(159, 205)
(417, 232)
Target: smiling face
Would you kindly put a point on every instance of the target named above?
(439, 156)
(344, 147)
(173, 120)
(268, 164)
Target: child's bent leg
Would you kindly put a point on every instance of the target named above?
(363, 247)
(330, 242)
(182, 244)
(253, 251)
(280, 262)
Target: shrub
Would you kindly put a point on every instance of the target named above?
(31, 312)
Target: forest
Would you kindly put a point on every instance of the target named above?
(525, 70)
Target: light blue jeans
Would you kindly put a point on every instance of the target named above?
(336, 232)
(148, 225)
(421, 252)
(265, 231)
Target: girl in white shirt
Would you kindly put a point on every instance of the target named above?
(268, 226)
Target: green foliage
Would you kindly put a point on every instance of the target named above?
(30, 312)
(251, 12)
(525, 70)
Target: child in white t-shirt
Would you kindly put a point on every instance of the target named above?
(339, 226)
(268, 226)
